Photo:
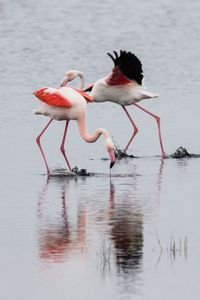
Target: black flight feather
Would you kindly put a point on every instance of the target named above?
(129, 64)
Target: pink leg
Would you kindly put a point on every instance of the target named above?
(40, 147)
(62, 147)
(134, 126)
(159, 130)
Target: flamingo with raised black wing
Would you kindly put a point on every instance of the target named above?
(123, 86)
(66, 104)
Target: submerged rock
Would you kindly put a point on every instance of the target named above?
(181, 153)
(82, 172)
(121, 154)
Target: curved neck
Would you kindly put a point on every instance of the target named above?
(90, 138)
(82, 81)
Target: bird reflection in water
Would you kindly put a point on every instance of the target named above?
(69, 233)
(127, 212)
(126, 234)
(57, 236)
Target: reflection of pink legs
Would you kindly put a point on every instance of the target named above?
(62, 147)
(40, 147)
(158, 124)
(134, 126)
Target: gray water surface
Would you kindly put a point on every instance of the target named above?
(134, 235)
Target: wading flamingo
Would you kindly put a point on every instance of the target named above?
(66, 104)
(123, 86)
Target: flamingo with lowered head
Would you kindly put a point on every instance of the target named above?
(66, 104)
(123, 86)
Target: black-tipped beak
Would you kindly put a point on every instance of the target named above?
(112, 164)
(112, 158)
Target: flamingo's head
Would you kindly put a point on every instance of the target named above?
(110, 147)
(69, 76)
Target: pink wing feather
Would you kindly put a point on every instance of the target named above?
(52, 97)
(117, 77)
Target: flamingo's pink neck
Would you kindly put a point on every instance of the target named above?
(82, 81)
(90, 138)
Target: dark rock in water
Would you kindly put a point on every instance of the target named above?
(121, 154)
(82, 172)
(181, 153)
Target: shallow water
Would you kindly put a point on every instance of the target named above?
(134, 235)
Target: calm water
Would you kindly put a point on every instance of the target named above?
(134, 235)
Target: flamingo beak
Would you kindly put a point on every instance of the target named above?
(64, 81)
(112, 158)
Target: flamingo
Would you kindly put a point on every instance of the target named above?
(66, 104)
(123, 86)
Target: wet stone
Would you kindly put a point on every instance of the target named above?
(82, 172)
(121, 154)
(181, 153)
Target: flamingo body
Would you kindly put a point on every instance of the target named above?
(122, 94)
(53, 101)
(66, 104)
